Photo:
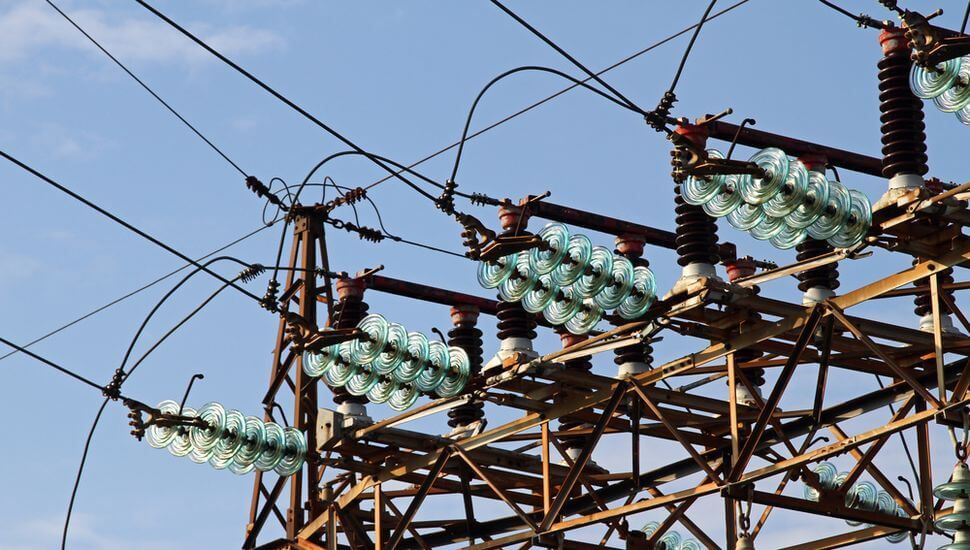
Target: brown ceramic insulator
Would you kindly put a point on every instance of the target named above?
(583, 364)
(513, 321)
(696, 231)
(924, 299)
(631, 248)
(347, 313)
(826, 276)
(901, 112)
(467, 336)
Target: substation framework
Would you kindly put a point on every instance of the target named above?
(366, 483)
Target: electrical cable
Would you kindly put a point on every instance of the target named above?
(565, 54)
(471, 111)
(966, 15)
(121, 222)
(280, 97)
(690, 45)
(97, 418)
(549, 98)
(136, 291)
(861, 20)
(148, 89)
(49, 363)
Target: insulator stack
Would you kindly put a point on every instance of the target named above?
(347, 313)
(826, 276)
(582, 364)
(956, 522)
(924, 300)
(516, 326)
(638, 357)
(696, 230)
(864, 495)
(467, 336)
(901, 112)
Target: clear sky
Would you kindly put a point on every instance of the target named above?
(398, 78)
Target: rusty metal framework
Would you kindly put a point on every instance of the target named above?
(533, 478)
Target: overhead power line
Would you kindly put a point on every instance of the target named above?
(550, 97)
(148, 89)
(138, 290)
(284, 99)
(122, 222)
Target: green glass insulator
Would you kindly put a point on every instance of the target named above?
(294, 453)
(541, 295)
(585, 319)
(273, 447)
(650, 527)
(181, 444)
(575, 262)
(756, 190)
(254, 437)
(885, 504)
(727, 199)
(792, 193)
(690, 544)
(367, 348)
(862, 496)
(457, 374)
(493, 274)
(619, 286)
(768, 228)
(789, 237)
(746, 216)
(598, 273)
(543, 259)
(161, 436)
(383, 390)
(834, 215)
(813, 203)
(415, 360)
(361, 382)
(204, 440)
(957, 96)
(963, 115)
(522, 280)
(957, 487)
(953, 521)
(856, 224)
(643, 296)
(929, 83)
(229, 443)
(394, 351)
(315, 364)
(563, 307)
(343, 368)
(404, 397)
(439, 361)
(826, 473)
(698, 190)
(670, 541)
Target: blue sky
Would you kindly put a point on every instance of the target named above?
(398, 79)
